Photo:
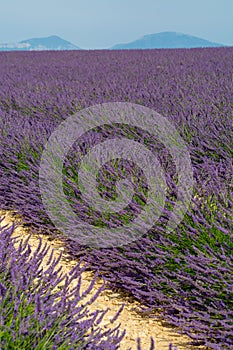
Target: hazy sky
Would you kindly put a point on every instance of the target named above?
(93, 24)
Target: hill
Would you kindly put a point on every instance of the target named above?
(52, 42)
(166, 40)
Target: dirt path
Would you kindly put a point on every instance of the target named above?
(135, 325)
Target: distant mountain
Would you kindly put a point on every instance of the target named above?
(38, 44)
(166, 40)
(152, 41)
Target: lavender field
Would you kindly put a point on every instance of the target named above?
(187, 274)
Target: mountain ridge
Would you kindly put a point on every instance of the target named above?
(162, 40)
(166, 40)
(52, 42)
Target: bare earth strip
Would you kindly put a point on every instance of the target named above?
(135, 325)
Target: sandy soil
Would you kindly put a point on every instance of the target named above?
(135, 325)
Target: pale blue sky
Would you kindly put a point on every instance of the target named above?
(93, 24)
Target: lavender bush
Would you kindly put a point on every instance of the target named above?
(35, 313)
(187, 273)
(38, 313)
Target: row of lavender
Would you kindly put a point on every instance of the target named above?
(37, 313)
(33, 314)
(187, 274)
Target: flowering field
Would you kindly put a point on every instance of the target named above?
(186, 273)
